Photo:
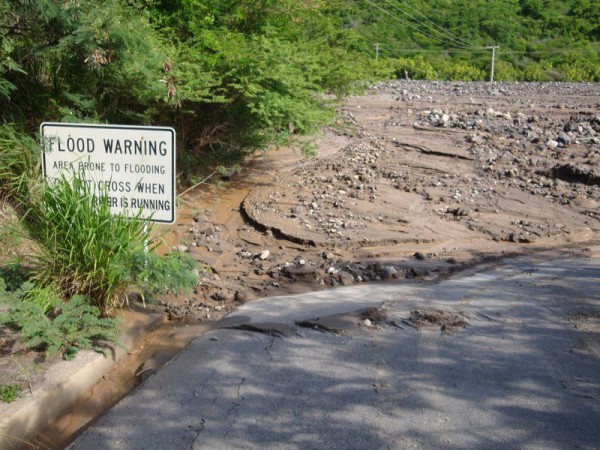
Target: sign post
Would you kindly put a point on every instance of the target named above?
(133, 165)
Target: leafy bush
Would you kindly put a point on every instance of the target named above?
(162, 274)
(9, 392)
(71, 326)
(505, 71)
(460, 71)
(13, 275)
(416, 68)
(535, 72)
(83, 247)
(582, 71)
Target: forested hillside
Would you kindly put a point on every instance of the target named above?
(232, 75)
(538, 40)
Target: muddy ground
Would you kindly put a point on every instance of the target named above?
(415, 180)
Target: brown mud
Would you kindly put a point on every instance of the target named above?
(415, 181)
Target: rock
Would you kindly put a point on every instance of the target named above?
(223, 295)
(345, 278)
(551, 144)
(477, 139)
(264, 254)
(182, 248)
(532, 137)
(420, 256)
(564, 138)
(416, 272)
(240, 296)
(389, 272)
(200, 217)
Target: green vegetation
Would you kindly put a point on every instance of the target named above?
(82, 247)
(87, 262)
(163, 274)
(539, 40)
(9, 392)
(18, 164)
(69, 326)
(234, 76)
(13, 275)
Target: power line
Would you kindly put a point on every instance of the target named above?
(412, 26)
(457, 38)
(485, 49)
(530, 52)
(446, 34)
(440, 50)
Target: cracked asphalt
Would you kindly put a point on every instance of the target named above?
(523, 373)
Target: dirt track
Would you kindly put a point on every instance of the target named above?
(416, 179)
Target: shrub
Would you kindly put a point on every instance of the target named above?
(14, 275)
(505, 71)
(416, 68)
(9, 392)
(460, 71)
(535, 72)
(163, 274)
(71, 326)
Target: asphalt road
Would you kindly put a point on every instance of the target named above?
(523, 373)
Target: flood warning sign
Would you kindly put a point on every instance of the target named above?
(134, 166)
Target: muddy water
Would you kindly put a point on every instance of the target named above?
(156, 348)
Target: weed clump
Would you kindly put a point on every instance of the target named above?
(9, 392)
(83, 248)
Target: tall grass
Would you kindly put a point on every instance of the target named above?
(18, 164)
(82, 247)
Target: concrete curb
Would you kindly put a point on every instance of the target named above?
(64, 382)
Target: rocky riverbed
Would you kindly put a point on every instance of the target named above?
(414, 180)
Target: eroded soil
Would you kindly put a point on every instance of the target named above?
(415, 180)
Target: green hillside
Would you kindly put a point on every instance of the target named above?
(239, 74)
(539, 40)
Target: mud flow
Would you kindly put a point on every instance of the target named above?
(415, 181)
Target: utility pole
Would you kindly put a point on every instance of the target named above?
(493, 48)
(377, 52)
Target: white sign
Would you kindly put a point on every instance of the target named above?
(134, 166)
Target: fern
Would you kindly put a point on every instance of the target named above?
(76, 325)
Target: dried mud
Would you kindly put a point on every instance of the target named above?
(415, 180)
